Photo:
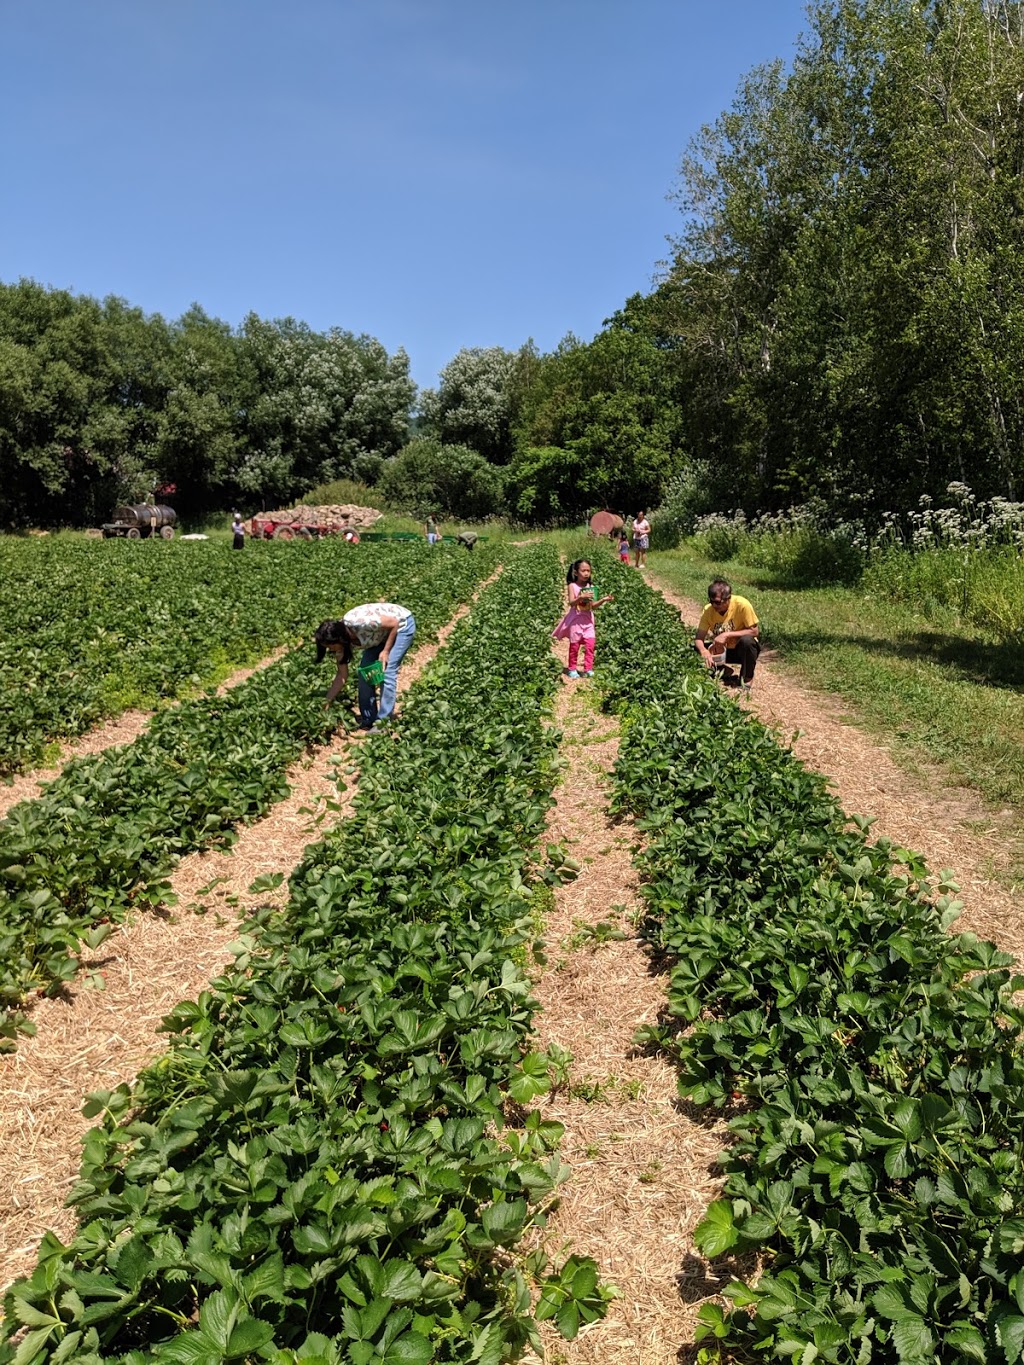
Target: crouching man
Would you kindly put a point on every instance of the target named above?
(728, 632)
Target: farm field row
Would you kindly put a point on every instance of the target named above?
(320, 1161)
(91, 628)
(100, 840)
(869, 1059)
(102, 1028)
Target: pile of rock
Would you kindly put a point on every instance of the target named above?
(348, 513)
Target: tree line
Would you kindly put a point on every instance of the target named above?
(846, 297)
(840, 321)
(100, 403)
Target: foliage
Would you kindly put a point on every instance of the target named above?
(100, 404)
(875, 1163)
(478, 399)
(318, 402)
(92, 627)
(101, 839)
(428, 477)
(846, 292)
(320, 1165)
(599, 427)
(805, 546)
(340, 491)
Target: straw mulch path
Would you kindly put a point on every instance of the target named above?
(122, 729)
(644, 1166)
(950, 826)
(91, 1039)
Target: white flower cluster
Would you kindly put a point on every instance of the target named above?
(970, 524)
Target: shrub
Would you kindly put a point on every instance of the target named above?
(340, 491)
(452, 480)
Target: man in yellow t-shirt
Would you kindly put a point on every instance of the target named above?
(728, 631)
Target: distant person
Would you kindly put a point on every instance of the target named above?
(383, 631)
(433, 533)
(577, 625)
(623, 547)
(467, 539)
(728, 632)
(237, 533)
(641, 539)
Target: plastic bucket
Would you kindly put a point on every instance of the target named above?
(372, 673)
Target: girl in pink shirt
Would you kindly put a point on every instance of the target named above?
(577, 625)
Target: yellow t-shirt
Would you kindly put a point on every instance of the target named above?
(738, 615)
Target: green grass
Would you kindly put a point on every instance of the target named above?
(943, 694)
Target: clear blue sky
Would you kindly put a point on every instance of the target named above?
(436, 173)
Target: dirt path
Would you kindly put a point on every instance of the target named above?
(643, 1164)
(122, 729)
(950, 826)
(92, 1039)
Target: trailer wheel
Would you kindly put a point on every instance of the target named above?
(303, 533)
(166, 532)
(283, 533)
(133, 533)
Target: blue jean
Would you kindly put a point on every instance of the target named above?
(369, 711)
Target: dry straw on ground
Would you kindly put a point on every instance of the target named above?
(644, 1165)
(90, 1039)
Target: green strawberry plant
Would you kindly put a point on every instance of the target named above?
(320, 1166)
(871, 1061)
(101, 840)
(92, 627)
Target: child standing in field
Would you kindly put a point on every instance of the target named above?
(577, 625)
(623, 547)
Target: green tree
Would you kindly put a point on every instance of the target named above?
(317, 404)
(478, 400)
(600, 425)
(428, 477)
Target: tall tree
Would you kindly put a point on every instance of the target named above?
(478, 400)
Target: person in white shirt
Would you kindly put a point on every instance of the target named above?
(383, 631)
(641, 539)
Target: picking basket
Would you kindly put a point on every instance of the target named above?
(372, 673)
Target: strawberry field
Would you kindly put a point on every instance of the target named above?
(344, 1144)
(93, 627)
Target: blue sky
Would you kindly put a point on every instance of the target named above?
(436, 173)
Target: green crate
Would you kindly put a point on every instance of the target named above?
(372, 673)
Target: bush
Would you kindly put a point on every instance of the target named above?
(719, 537)
(690, 497)
(341, 491)
(454, 481)
(800, 545)
(982, 587)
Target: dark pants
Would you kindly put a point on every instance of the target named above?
(745, 654)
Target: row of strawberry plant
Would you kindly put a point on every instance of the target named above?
(874, 1060)
(103, 836)
(90, 628)
(319, 1168)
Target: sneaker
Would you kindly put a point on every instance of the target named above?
(571, 673)
(588, 672)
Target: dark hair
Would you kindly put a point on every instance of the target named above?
(332, 633)
(570, 577)
(719, 583)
